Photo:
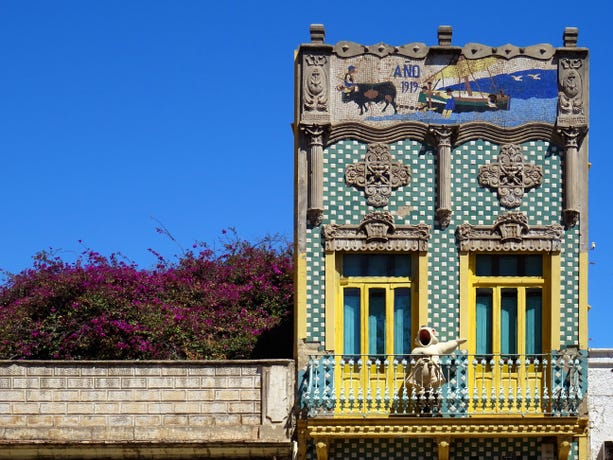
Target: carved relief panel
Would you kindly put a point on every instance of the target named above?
(377, 175)
(571, 101)
(511, 177)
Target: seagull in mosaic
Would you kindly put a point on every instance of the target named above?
(534, 76)
(517, 77)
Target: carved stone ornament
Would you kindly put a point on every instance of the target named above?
(315, 84)
(511, 177)
(376, 232)
(377, 174)
(510, 232)
(571, 109)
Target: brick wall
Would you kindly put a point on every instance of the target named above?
(57, 402)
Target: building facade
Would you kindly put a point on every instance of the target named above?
(441, 250)
(600, 403)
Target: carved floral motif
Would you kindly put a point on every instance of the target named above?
(510, 232)
(377, 174)
(511, 177)
(571, 87)
(376, 232)
(316, 86)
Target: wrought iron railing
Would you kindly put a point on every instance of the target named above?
(456, 385)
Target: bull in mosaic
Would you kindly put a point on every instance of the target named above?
(365, 93)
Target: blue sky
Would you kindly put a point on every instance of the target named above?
(117, 115)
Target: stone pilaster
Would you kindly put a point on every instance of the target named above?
(443, 136)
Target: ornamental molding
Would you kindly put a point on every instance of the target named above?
(465, 132)
(347, 49)
(510, 177)
(376, 232)
(510, 232)
(377, 175)
(562, 427)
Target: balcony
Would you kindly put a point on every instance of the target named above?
(456, 385)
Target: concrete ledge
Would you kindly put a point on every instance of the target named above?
(153, 451)
(72, 405)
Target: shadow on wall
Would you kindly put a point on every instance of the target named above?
(276, 343)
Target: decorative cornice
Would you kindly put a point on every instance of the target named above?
(376, 232)
(512, 135)
(350, 49)
(542, 51)
(468, 427)
(347, 49)
(510, 232)
(370, 134)
(465, 132)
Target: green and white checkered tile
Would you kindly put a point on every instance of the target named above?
(471, 203)
(346, 205)
(426, 448)
(569, 292)
(315, 282)
(393, 448)
(500, 449)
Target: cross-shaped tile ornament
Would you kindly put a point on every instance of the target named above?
(511, 177)
(377, 174)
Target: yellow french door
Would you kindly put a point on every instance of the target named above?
(375, 315)
(509, 316)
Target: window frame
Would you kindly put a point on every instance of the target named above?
(335, 283)
(522, 283)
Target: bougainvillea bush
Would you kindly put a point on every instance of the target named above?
(205, 305)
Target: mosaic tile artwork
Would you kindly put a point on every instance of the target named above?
(358, 449)
(501, 449)
(444, 89)
(412, 204)
(422, 449)
(569, 295)
(416, 202)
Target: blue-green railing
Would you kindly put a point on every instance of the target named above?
(548, 384)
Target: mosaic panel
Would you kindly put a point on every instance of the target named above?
(444, 89)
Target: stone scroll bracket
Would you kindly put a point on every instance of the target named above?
(443, 138)
(315, 140)
(510, 176)
(378, 175)
(510, 232)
